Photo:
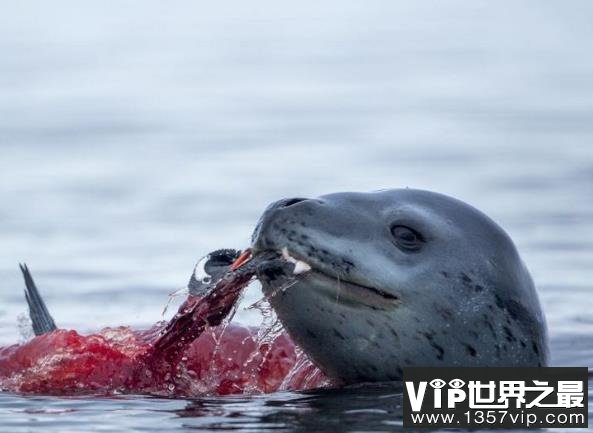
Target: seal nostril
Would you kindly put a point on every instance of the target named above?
(290, 201)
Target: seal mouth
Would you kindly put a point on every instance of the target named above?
(348, 292)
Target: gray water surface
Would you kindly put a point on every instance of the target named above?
(137, 136)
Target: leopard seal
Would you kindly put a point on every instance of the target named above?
(399, 278)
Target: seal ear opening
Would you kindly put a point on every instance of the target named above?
(40, 318)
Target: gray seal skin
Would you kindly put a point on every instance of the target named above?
(400, 278)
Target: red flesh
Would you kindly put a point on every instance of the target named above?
(194, 354)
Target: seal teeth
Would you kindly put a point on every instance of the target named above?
(299, 266)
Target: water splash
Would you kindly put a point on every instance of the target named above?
(173, 295)
(270, 327)
(25, 328)
(178, 358)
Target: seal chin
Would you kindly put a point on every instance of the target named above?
(338, 289)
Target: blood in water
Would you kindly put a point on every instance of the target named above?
(197, 353)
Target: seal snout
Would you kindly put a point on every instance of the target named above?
(283, 221)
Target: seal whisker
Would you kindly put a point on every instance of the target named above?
(282, 288)
(339, 287)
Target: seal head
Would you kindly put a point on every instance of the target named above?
(399, 278)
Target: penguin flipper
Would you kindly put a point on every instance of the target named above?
(40, 318)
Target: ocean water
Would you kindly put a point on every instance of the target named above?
(137, 136)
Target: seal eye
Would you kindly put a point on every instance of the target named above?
(406, 238)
